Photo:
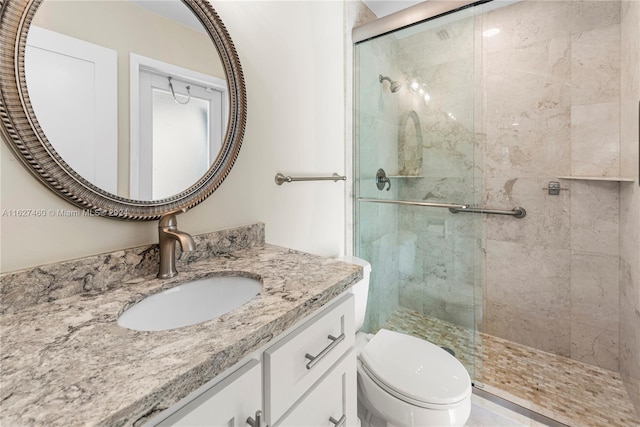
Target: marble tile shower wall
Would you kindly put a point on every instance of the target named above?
(630, 201)
(552, 94)
(547, 105)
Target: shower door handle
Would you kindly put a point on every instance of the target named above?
(382, 180)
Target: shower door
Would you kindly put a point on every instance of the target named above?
(416, 149)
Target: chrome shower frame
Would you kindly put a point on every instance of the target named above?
(410, 16)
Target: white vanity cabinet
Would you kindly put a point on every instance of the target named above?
(227, 403)
(306, 377)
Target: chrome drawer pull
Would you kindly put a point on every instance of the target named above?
(315, 359)
(340, 422)
(256, 422)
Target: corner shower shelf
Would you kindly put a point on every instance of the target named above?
(599, 178)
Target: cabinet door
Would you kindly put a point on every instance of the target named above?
(329, 400)
(228, 403)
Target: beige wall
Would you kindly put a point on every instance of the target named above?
(139, 31)
(292, 57)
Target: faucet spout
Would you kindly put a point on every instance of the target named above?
(187, 244)
(168, 235)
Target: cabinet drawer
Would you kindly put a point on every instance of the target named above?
(228, 403)
(297, 362)
(332, 401)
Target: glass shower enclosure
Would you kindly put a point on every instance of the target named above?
(461, 107)
(418, 180)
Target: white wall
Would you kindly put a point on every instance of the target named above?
(293, 59)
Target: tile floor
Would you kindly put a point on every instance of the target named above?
(568, 391)
(488, 414)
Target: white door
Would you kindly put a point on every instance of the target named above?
(185, 137)
(178, 122)
(73, 86)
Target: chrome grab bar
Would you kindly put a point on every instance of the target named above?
(518, 212)
(281, 179)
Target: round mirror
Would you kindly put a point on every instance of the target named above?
(130, 109)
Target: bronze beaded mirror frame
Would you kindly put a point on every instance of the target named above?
(25, 137)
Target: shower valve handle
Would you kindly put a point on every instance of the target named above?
(382, 180)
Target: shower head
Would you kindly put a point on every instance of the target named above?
(394, 86)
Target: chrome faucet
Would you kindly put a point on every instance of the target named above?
(168, 235)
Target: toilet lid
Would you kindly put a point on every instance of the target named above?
(412, 368)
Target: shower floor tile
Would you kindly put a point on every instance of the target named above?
(568, 391)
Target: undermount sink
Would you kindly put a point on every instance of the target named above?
(190, 303)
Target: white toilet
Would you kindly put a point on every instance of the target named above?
(403, 380)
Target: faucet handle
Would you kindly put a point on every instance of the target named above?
(169, 219)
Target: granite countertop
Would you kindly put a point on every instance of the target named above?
(67, 362)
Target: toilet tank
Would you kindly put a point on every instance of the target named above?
(360, 289)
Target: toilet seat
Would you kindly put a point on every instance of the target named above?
(415, 371)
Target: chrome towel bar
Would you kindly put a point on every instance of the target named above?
(280, 178)
(518, 212)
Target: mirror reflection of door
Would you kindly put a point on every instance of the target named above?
(181, 120)
(72, 86)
